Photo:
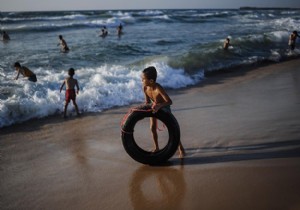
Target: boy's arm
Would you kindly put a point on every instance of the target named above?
(17, 75)
(77, 86)
(62, 85)
(147, 98)
(167, 100)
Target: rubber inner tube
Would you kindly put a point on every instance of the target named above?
(134, 150)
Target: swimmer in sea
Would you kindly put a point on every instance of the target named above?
(104, 32)
(63, 44)
(292, 40)
(5, 36)
(226, 44)
(120, 30)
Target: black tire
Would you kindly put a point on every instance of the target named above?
(146, 157)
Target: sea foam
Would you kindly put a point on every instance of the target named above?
(101, 88)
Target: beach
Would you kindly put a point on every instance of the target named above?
(240, 130)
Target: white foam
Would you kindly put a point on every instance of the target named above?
(150, 13)
(100, 88)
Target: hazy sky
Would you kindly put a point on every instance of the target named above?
(42, 5)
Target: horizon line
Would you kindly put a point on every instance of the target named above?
(239, 8)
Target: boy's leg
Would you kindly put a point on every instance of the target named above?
(65, 108)
(153, 128)
(181, 150)
(76, 107)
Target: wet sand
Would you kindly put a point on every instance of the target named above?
(240, 131)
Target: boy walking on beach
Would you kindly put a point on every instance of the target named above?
(70, 83)
(157, 96)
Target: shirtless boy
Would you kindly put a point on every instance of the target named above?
(292, 40)
(157, 96)
(70, 83)
(226, 44)
(25, 72)
(5, 36)
(63, 45)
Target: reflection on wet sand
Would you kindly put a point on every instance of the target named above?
(157, 188)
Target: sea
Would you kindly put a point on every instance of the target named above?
(183, 45)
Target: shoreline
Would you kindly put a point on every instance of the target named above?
(241, 135)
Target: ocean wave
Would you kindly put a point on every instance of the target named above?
(149, 13)
(51, 26)
(244, 50)
(42, 18)
(100, 88)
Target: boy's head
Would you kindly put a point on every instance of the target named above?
(60, 36)
(71, 72)
(150, 73)
(17, 65)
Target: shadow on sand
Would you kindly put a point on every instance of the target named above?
(196, 156)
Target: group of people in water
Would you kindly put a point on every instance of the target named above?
(292, 41)
(104, 31)
(69, 82)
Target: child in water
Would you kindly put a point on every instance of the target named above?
(292, 40)
(26, 72)
(70, 83)
(157, 96)
(63, 44)
(226, 44)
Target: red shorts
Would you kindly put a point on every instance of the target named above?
(70, 95)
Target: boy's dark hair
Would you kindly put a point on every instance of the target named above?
(17, 64)
(60, 36)
(71, 72)
(150, 73)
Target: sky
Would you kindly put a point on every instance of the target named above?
(50, 5)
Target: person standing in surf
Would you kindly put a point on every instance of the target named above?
(104, 32)
(5, 36)
(158, 98)
(63, 44)
(292, 40)
(120, 30)
(70, 83)
(226, 44)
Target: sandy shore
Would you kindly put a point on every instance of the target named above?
(240, 131)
